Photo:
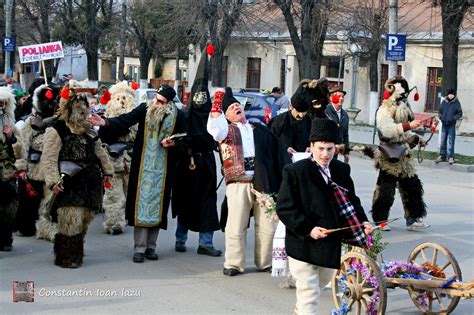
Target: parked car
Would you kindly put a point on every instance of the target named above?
(146, 95)
(257, 106)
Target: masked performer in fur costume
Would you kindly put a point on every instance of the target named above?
(319, 91)
(10, 150)
(79, 196)
(30, 185)
(153, 165)
(395, 120)
(121, 102)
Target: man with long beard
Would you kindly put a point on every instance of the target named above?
(10, 150)
(79, 196)
(153, 165)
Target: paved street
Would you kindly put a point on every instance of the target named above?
(364, 134)
(187, 283)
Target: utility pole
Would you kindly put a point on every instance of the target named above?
(393, 29)
(122, 42)
(8, 31)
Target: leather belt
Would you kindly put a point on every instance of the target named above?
(249, 163)
(244, 181)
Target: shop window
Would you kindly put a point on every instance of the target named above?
(434, 84)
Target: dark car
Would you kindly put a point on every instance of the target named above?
(257, 106)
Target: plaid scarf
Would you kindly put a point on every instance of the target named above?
(355, 236)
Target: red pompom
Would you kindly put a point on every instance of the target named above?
(65, 93)
(268, 114)
(49, 94)
(107, 184)
(416, 97)
(210, 49)
(335, 98)
(134, 85)
(31, 193)
(105, 98)
(386, 95)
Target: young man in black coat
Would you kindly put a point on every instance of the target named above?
(307, 206)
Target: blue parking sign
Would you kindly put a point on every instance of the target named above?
(8, 43)
(395, 47)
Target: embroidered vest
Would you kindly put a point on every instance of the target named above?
(232, 155)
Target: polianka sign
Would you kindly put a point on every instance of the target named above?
(40, 52)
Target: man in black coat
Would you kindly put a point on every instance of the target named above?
(194, 198)
(307, 206)
(292, 127)
(252, 158)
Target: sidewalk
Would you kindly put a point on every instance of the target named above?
(464, 145)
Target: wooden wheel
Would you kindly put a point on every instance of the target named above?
(359, 285)
(438, 258)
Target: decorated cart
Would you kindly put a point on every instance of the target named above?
(431, 275)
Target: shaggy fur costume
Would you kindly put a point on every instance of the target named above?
(319, 93)
(121, 102)
(392, 114)
(46, 228)
(73, 217)
(10, 150)
(32, 135)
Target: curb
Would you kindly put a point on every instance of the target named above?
(429, 163)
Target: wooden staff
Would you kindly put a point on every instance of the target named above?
(44, 72)
(378, 226)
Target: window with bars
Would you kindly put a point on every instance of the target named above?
(384, 77)
(332, 64)
(434, 82)
(282, 74)
(253, 73)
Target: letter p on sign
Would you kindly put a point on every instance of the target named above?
(392, 42)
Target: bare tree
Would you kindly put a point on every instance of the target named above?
(122, 43)
(146, 20)
(310, 18)
(34, 26)
(222, 17)
(200, 21)
(2, 30)
(84, 22)
(365, 23)
(452, 15)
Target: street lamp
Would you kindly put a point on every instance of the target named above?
(342, 36)
(353, 111)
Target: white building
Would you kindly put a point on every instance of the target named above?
(269, 60)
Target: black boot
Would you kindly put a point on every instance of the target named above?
(6, 237)
(69, 250)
